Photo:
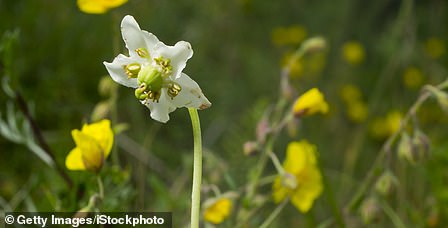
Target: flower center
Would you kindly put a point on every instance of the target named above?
(152, 78)
(289, 181)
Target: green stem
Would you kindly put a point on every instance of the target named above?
(197, 168)
(274, 214)
(387, 147)
(100, 187)
(276, 163)
(396, 220)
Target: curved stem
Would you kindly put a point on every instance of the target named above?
(387, 148)
(197, 168)
(274, 214)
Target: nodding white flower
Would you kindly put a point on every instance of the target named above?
(155, 71)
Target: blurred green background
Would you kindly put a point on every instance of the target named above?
(239, 47)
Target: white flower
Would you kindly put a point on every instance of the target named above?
(155, 71)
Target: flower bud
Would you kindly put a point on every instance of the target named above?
(314, 44)
(420, 145)
(263, 129)
(251, 148)
(106, 86)
(441, 96)
(386, 183)
(405, 148)
(100, 111)
(370, 210)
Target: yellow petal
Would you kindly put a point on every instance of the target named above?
(91, 152)
(219, 211)
(98, 6)
(102, 133)
(91, 6)
(112, 3)
(310, 187)
(298, 156)
(73, 161)
(279, 192)
(310, 103)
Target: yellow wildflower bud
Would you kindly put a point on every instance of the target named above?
(93, 146)
(310, 103)
(217, 211)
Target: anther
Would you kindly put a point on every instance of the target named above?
(142, 52)
(132, 70)
(173, 89)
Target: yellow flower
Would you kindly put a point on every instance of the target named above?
(310, 103)
(350, 93)
(93, 145)
(217, 210)
(288, 35)
(302, 181)
(99, 6)
(353, 52)
(435, 47)
(386, 126)
(357, 111)
(412, 78)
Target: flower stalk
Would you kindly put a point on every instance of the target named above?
(197, 168)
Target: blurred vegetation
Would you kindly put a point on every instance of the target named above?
(52, 54)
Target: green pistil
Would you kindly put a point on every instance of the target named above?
(151, 77)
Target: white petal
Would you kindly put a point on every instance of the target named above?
(134, 37)
(116, 70)
(160, 110)
(190, 95)
(178, 54)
